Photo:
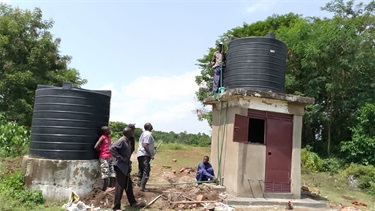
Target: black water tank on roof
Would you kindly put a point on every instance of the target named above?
(66, 122)
(256, 63)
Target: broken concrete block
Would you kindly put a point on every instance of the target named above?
(200, 197)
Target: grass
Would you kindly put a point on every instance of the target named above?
(8, 204)
(185, 155)
(333, 189)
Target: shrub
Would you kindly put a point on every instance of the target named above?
(310, 160)
(14, 139)
(360, 149)
(372, 188)
(12, 186)
(364, 176)
(116, 129)
(332, 165)
(362, 146)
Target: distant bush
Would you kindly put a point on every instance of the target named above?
(360, 176)
(310, 160)
(200, 139)
(116, 129)
(12, 186)
(372, 188)
(175, 146)
(332, 165)
(14, 139)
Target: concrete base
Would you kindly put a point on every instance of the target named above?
(241, 201)
(58, 178)
(279, 195)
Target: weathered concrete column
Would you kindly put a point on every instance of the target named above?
(58, 178)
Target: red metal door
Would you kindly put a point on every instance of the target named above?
(241, 129)
(279, 153)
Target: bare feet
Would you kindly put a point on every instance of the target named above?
(110, 189)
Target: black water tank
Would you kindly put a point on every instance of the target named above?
(66, 122)
(256, 63)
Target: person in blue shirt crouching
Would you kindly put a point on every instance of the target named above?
(205, 171)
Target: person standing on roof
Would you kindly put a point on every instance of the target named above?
(217, 65)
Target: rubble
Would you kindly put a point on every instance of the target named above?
(182, 193)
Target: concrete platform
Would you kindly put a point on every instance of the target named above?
(242, 201)
(57, 179)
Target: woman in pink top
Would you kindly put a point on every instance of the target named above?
(105, 158)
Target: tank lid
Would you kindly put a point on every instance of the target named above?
(70, 86)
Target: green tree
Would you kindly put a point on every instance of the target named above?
(361, 149)
(260, 28)
(329, 59)
(29, 56)
(326, 60)
(116, 128)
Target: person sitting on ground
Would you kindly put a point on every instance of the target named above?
(121, 151)
(105, 159)
(205, 171)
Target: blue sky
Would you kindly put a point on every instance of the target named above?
(146, 51)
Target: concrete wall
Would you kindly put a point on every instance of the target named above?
(252, 172)
(229, 154)
(58, 178)
(243, 165)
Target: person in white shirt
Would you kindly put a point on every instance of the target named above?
(145, 154)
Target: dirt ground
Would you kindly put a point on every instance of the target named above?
(187, 195)
(12, 165)
(177, 197)
(160, 185)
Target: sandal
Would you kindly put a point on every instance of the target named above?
(138, 205)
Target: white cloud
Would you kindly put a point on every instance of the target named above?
(173, 112)
(114, 92)
(166, 102)
(163, 88)
(261, 6)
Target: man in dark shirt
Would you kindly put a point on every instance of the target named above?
(132, 138)
(121, 151)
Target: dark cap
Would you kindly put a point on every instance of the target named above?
(132, 126)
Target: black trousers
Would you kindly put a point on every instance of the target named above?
(144, 167)
(123, 182)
